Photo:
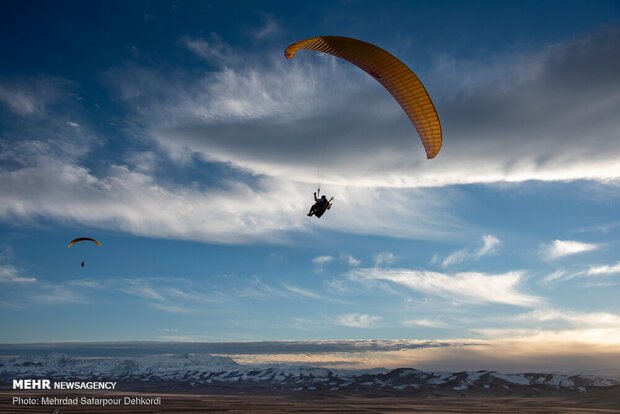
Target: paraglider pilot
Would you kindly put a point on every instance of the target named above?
(320, 205)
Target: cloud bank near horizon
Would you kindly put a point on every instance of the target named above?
(560, 353)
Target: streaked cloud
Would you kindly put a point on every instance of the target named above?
(384, 258)
(468, 287)
(590, 320)
(30, 97)
(489, 246)
(350, 260)
(456, 257)
(603, 270)
(296, 290)
(174, 295)
(87, 283)
(269, 28)
(598, 336)
(302, 292)
(592, 270)
(562, 248)
(57, 294)
(142, 289)
(214, 50)
(10, 274)
(558, 274)
(322, 260)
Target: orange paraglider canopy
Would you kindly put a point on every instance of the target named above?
(390, 72)
(72, 242)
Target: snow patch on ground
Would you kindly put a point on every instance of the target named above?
(514, 378)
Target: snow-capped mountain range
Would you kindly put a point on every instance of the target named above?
(208, 373)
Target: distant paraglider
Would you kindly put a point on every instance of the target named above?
(81, 239)
(72, 242)
(390, 72)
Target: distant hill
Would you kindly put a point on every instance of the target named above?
(213, 374)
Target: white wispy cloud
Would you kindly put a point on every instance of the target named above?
(214, 50)
(384, 258)
(26, 97)
(269, 28)
(489, 245)
(350, 260)
(593, 270)
(558, 274)
(57, 294)
(596, 320)
(142, 289)
(322, 260)
(193, 294)
(302, 292)
(562, 248)
(10, 274)
(357, 320)
(469, 287)
(603, 270)
(170, 292)
(310, 294)
(177, 295)
(599, 336)
(456, 257)
(87, 283)
(256, 288)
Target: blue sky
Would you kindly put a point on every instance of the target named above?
(180, 137)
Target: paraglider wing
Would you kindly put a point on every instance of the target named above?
(390, 72)
(72, 242)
